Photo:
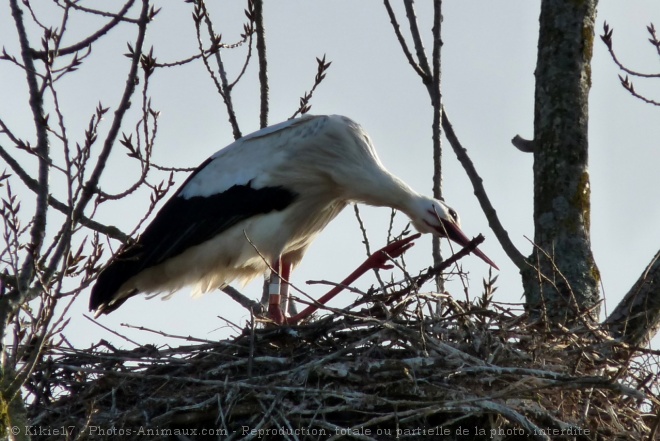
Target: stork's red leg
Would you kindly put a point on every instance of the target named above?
(378, 259)
(287, 304)
(274, 293)
(278, 289)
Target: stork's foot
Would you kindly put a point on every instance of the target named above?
(275, 314)
(378, 260)
(393, 250)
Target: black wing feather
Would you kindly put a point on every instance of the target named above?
(181, 224)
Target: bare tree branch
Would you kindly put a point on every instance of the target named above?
(91, 186)
(636, 318)
(435, 92)
(121, 15)
(625, 81)
(630, 87)
(480, 192)
(263, 61)
(60, 206)
(522, 144)
(402, 41)
(86, 42)
(431, 78)
(247, 303)
(304, 106)
(223, 86)
(42, 149)
(607, 39)
(417, 40)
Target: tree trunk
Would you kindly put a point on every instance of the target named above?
(562, 280)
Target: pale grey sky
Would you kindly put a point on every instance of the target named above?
(489, 56)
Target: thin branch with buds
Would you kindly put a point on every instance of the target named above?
(627, 84)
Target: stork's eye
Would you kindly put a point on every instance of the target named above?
(453, 215)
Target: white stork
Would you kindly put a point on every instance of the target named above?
(257, 205)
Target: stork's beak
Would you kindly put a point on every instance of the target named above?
(454, 233)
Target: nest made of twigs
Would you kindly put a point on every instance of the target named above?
(424, 367)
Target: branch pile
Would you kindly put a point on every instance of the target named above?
(427, 367)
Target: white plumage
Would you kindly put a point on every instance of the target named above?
(272, 191)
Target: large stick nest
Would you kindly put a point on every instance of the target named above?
(425, 367)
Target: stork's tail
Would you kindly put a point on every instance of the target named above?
(105, 296)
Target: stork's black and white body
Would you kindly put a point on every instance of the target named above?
(261, 202)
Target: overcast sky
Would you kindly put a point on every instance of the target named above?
(488, 62)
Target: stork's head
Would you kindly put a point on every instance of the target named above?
(436, 217)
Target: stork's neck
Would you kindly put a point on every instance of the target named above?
(382, 189)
